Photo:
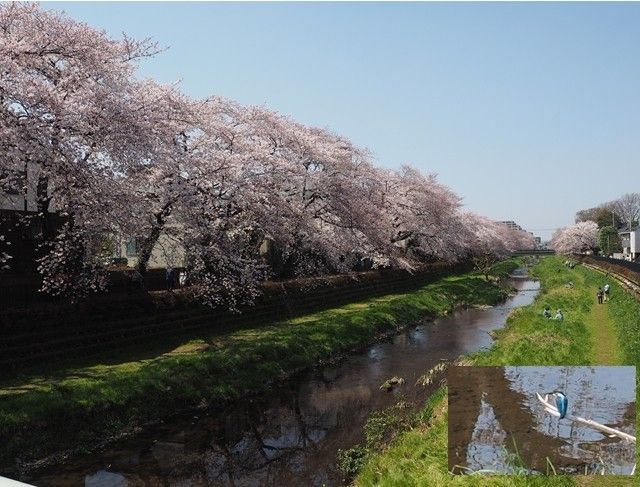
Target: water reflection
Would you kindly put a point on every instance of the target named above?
(487, 432)
(487, 401)
(291, 435)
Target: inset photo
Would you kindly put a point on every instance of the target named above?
(542, 420)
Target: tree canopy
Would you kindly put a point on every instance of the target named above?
(118, 156)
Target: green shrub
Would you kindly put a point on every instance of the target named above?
(352, 460)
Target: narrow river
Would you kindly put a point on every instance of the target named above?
(291, 435)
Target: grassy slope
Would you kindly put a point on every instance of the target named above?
(40, 414)
(419, 456)
(624, 311)
(531, 339)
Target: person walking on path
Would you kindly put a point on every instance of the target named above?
(607, 288)
(600, 295)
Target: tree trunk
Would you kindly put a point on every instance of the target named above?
(146, 249)
(148, 243)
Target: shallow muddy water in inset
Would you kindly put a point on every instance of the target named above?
(497, 423)
(291, 435)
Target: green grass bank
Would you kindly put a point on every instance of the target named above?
(77, 408)
(418, 456)
(531, 339)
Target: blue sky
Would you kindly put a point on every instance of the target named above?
(529, 111)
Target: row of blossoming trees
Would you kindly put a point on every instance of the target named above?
(592, 223)
(115, 155)
(574, 239)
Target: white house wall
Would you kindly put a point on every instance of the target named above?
(167, 252)
(630, 244)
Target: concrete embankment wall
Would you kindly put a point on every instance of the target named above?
(30, 332)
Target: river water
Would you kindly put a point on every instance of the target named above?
(290, 435)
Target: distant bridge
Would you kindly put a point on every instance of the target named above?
(533, 252)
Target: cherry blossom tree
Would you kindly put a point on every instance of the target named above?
(158, 187)
(115, 157)
(491, 241)
(424, 216)
(326, 190)
(487, 242)
(519, 240)
(576, 238)
(73, 115)
(65, 96)
(223, 194)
